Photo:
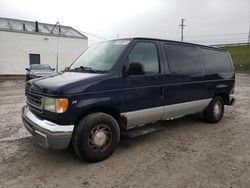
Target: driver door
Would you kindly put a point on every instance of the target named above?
(142, 98)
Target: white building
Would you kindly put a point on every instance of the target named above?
(23, 43)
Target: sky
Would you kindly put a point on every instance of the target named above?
(207, 21)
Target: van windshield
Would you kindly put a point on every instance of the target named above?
(100, 57)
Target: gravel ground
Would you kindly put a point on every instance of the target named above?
(186, 153)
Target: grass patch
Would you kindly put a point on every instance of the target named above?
(241, 57)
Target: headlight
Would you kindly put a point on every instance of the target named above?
(55, 105)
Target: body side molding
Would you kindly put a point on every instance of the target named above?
(151, 115)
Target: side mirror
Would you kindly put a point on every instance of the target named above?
(27, 69)
(66, 68)
(135, 69)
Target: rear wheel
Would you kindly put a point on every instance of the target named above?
(215, 110)
(96, 137)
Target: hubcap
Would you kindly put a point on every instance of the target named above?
(100, 138)
(217, 109)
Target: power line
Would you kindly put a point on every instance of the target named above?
(232, 34)
(93, 35)
(224, 39)
(220, 42)
(243, 39)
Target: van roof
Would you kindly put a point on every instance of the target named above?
(172, 41)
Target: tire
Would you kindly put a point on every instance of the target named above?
(96, 137)
(215, 110)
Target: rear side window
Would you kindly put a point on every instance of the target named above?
(183, 59)
(146, 54)
(216, 61)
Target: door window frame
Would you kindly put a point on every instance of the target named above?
(160, 59)
(182, 44)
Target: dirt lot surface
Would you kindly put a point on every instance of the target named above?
(186, 153)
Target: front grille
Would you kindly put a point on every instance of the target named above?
(35, 101)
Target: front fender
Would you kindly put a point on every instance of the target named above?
(106, 104)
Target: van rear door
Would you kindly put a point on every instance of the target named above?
(184, 90)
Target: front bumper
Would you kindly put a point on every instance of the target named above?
(47, 133)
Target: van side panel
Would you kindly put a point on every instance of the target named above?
(145, 99)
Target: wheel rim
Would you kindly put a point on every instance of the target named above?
(217, 109)
(100, 138)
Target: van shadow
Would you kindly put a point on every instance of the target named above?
(32, 151)
(170, 127)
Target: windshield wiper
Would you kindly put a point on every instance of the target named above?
(85, 69)
(88, 69)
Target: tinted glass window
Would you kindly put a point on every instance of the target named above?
(145, 53)
(183, 59)
(216, 61)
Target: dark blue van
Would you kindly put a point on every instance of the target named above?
(116, 86)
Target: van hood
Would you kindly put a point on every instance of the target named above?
(64, 83)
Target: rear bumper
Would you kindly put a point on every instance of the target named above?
(231, 99)
(46, 133)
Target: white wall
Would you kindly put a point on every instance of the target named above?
(16, 47)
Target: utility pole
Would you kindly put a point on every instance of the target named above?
(57, 43)
(249, 36)
(182, 28)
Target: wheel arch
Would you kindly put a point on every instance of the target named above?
(113, 111)
(224, 96)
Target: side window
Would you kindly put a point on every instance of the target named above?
(216, 61)
(145, 55)
(183, 59)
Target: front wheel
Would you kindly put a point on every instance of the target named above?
(96, 137)
(215, 110)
